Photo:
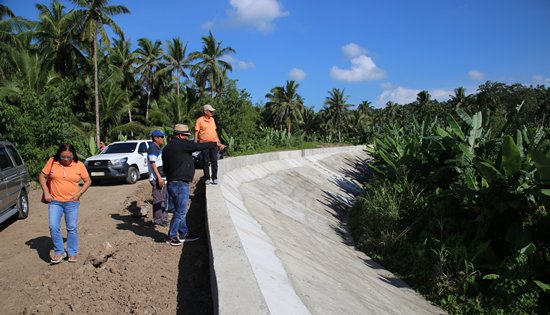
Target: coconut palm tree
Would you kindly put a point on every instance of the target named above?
(5, 11)
(94, 15)
(148, 55)
(30, 72)
(210, 66)
(423, 98)
(13, 33)
(173, 109)
(286, 105)
(113, 106)
(122, 61)
(55, 35)
(390, 113)
(312, 124)
(11, 25)
(366, 112)
(175, 60)
(365, 107)
(422, 105)
(459, 98)
(336, 108)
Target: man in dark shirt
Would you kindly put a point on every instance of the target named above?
(179, 167)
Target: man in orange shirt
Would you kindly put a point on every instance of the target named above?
(205, 131)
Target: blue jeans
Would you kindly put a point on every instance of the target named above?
(56, 209)
(179, 194)
(169, 202)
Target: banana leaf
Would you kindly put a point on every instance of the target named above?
(542, 162)
(476, 131)
(511, 157)
(455, 127)
(488, 171)
(465, 117)
(441, 132)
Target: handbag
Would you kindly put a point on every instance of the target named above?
(43, 199)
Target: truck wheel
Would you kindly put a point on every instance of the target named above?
(133, 175)
(23, 205)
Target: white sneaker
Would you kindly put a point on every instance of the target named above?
(214, 182)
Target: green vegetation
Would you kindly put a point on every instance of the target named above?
(458, 206)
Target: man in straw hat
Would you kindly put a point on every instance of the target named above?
(180, 169)
(205, 131)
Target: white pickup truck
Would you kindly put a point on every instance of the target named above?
(125, 160)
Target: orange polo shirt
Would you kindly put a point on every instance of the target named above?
(207, 129)
(64, 179)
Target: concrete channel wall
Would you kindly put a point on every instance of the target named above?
(260, 219)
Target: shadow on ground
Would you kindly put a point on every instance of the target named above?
(4, 225)
(135, 223)
(355, 175)
(42, 245)
(194, 291)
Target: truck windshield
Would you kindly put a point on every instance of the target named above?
(120, 148)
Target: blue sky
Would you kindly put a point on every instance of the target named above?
(376, 51)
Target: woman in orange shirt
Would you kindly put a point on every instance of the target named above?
(64, 171)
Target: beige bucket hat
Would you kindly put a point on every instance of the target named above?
(182, 129)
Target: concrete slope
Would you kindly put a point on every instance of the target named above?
(279, 244)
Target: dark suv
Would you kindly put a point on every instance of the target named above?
(14, 183)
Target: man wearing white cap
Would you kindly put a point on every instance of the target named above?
(205, 131)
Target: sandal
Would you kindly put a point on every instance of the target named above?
(73, 259)
(57, 258)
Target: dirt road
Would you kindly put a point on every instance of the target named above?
(124, 267)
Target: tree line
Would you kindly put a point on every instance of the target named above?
(64, 76)
(439, 165)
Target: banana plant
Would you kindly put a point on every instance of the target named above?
(524, 173)
(476, 123)
(542, 163)
(92, 147)
(507, 165)
(229, 141)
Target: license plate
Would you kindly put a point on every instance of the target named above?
(98, 174)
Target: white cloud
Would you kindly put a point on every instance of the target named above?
(208, 25)
(259, 14)
(399, 94)
(476, 75)
(352, 50)
(441, 94)
(362, 67)
(386, 85)
(541, 80)
(402, 95)
(239, 64)
(297, 74)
